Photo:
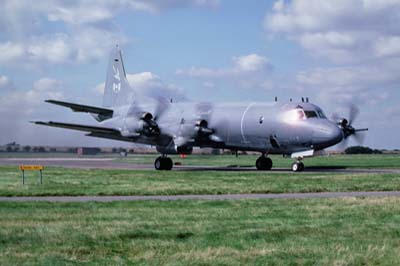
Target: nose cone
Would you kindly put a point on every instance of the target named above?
(326, 134)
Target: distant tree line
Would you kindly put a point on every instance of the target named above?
(361, 150)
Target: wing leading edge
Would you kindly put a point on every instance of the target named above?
(102, 113)
(106, 133)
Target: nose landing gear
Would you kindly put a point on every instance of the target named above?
(297, 166)
(163, 163)
(264, 163)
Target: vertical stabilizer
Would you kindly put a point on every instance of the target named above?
(117, 91)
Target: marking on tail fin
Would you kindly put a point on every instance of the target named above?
(116, 85)
(116, 73)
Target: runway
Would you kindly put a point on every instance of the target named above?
(111, 163)
(202, 197)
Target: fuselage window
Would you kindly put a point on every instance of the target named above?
(310, 114)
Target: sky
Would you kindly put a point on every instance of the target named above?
(334, 52)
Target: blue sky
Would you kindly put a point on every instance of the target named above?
(335, 52)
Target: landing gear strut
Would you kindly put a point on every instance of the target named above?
(264, 163)
(163, 163)
(297, 166)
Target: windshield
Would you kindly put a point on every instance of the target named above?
(311, 114)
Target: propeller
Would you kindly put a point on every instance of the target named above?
(149, 126)
(203, 113)
(347, 125)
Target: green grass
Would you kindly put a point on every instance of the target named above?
(341, 161)
(350, 231)
(63, 181)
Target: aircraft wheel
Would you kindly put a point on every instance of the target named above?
(158, 163)
(163, 163)
(297, 166)
(301, 166)
(168, 163)
(264, 163)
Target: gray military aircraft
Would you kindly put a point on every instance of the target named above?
(296, 129)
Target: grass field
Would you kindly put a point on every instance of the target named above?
(63, 181)
(254, 232)
(346, 231)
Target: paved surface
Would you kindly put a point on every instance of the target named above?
(205, 197)
(110, 163)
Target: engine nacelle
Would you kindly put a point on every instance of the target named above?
(184, 149)
(132, 127)
(173, 149)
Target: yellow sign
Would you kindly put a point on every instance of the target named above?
(31, 167)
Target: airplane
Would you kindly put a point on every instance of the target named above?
(295, 129)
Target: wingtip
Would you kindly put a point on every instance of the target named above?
(39, 122)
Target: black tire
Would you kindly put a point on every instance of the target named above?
(163, 163)
(263, 163)
(297, 166)
(159, 163)
(168, 163)
(301, 166)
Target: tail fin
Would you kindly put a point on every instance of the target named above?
(117, 91)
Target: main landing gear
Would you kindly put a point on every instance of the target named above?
(297, 166)
(264, 163)
(163, 163)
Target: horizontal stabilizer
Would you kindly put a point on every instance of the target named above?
(103, 113)
(87, 128)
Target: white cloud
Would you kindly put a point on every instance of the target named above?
(365, 84)
(242, 65)
(342, 30)
(248, 71)
(388, 46)
(83, 46)
(18, 107)
(156, 6)
(10, 51)
(5, 83)
(57, 31)
(147, 84)
(77, 15)
(251, 62)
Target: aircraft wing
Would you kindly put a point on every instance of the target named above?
(84, 108)
(87, 128)
(99, 132)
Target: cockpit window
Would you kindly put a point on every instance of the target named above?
(321, 114)
(310, 114)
